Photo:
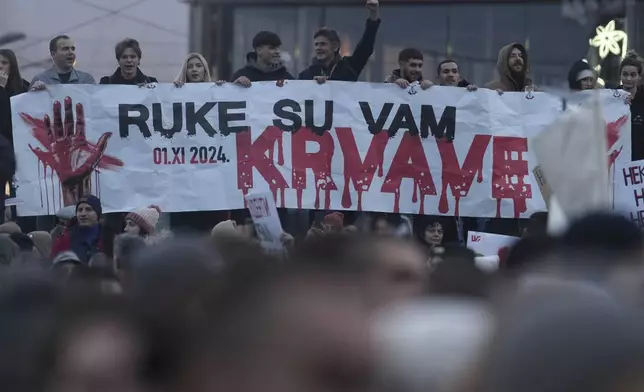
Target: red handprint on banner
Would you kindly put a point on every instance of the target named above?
(613, 129)
(67, 152)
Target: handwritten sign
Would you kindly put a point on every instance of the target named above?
(629, 191)
(266, 221)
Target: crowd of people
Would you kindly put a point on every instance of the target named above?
(360, 302)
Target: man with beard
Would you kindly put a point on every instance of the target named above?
(513, 68)
(63, 52)
(410, 61)
(328, 64)
(449, 74)
(264, 63)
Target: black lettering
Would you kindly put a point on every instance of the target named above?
(445, 127)
(309, 116)
(225, 117)
(278, 110)
(125, 120)
(194, 151)
(213, 150)
(199, 117)
(627, 173)
(638, 196)
(375, 126)
(177, 120)
(177, 155)
(403, 119)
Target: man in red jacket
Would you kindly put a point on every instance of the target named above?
(85, 235)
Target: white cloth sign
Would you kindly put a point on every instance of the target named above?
(629, 191)
(266, 221)
(339, 146)
(488, 244)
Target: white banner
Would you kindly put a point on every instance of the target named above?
(353, 146)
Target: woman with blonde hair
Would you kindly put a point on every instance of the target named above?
(194, 70)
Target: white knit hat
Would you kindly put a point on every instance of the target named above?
(146, 218)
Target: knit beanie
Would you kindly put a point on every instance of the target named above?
(146, 218)
(93, 202)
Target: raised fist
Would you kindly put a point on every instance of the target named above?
(67, 151)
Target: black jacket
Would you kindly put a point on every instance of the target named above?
(6, 125)
(347, 68)
(117, 78)
(396, 74)
(637, 125)
(255, 73)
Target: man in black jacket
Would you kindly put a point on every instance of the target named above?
(264, 63)
(328, 64)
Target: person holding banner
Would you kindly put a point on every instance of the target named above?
(581, 76)
(63, 52)
(410, 61)
(513, 70)
(449, 74)
(630, 72)
(194, 70)
(128, 54)
(264, 63)
(328, 63)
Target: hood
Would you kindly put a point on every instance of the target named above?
(504, 70)
(251, 62)
(574, 73)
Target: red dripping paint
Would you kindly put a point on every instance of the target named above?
(51, 181)
(409, 162)
(280, 150)
(508, 172)
(255, 155)
(498, 208)
(319, 162)
(459, 178)
(299, 197)
(357, 171)
(44, 178)
(40, 185)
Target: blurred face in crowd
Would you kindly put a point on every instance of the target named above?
(98, 356)
(630, 77)
(433, 234)
(382, 227)
(129, 61)
(400, 272)
(65, 54)
(587, 83)
(449, 74)
(324, 49)
(5, 66)
(314, 337)
(132, 228)
(269, 54)
(86, 215)
(195, 70)
(516, 61)
(411, 69)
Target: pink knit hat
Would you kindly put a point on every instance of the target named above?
(146, 218)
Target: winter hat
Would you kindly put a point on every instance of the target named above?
(42, 241)
(66, 213)
(334, 219)
(579, 70)
(65, 257)
(146, 218)
(10, 228)
(93, 202)
(24, 242)
(226, 228)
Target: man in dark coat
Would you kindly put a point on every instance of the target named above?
(328, 64)
(264, 63)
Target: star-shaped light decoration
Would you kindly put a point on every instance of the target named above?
(607, 40)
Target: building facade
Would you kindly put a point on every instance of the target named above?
(556, 33)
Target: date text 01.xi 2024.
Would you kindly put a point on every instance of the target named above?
(194, 155)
